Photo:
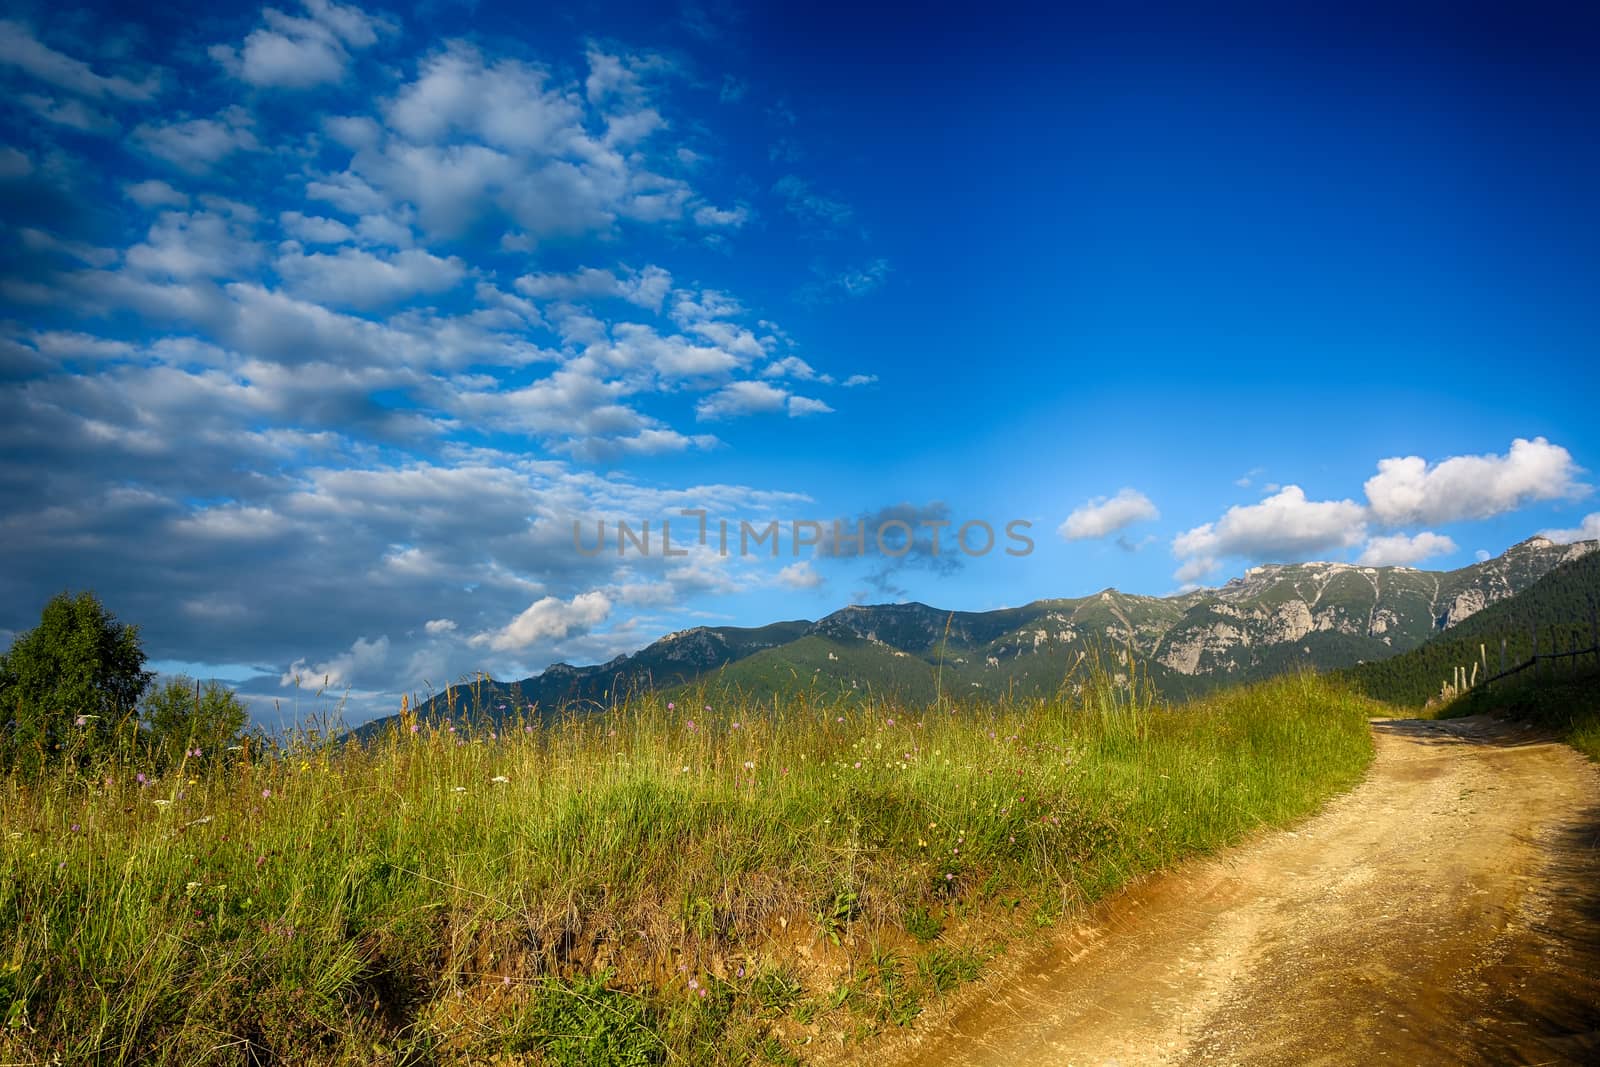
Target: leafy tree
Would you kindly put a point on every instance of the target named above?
(182, 715)
(74, 676)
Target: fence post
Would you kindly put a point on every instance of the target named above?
(1594, 630)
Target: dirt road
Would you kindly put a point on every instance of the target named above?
(1446, 911)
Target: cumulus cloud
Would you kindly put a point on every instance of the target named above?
(360, 279)
(801, 406)
(292, 52)
(1285, 526)
(1586, 530)
(742, 398)
(362, 664)
(801, 575)
(1106, 515)
(548, 619)
(197, 145)
(1401, 550)
(646, 288)
(154, 193)
(1407, 489)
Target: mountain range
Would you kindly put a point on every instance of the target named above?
(1272, 618)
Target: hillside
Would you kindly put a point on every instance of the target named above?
(1271, 619)
(1559, 605)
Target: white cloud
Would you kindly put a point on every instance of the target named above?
(364, 661)
(1106, 515)
(647, 288)
(19, 48)
(197, 145)
(1400, 550)
(360, 279)
(737, 399)
(1407, 490)
(801, 575)
(298, 53)
(1586, 530)
(1285, 526)
(440, 626)
(314, 229)
(548, 619)
(856, 380)
(791, 367)
(202, 244)
(728, 218)
(800, 406)
(154, 193)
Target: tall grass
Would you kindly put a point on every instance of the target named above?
(657, 884)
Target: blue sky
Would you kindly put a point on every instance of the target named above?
(321, 324)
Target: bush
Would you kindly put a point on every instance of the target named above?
(182, 716)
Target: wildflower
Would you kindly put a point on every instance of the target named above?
(81, 720)
(702, 994)
(741, 972)
(690, 724)
(949, 877)
(415, 727)
(161, 803)
(858, 765)
(500, 778)
(506, 980)
(686, 770)
(749, 765)
(190, 887)
(266, 794)
(459, 789)
(671, 706)
(74, 828)
(891, 722)
(141, 779)
(693, 984)
(735, 726)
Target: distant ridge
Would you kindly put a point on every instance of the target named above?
(1272, 618)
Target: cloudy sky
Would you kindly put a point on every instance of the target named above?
(321, 325)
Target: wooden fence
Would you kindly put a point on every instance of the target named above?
(1464, 678)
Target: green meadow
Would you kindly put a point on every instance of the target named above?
(667, 882)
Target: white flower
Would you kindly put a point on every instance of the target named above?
(500, 778)
(459, 789)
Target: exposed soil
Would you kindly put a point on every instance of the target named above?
(1445, 911)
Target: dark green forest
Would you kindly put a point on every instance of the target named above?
(1560, 606)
